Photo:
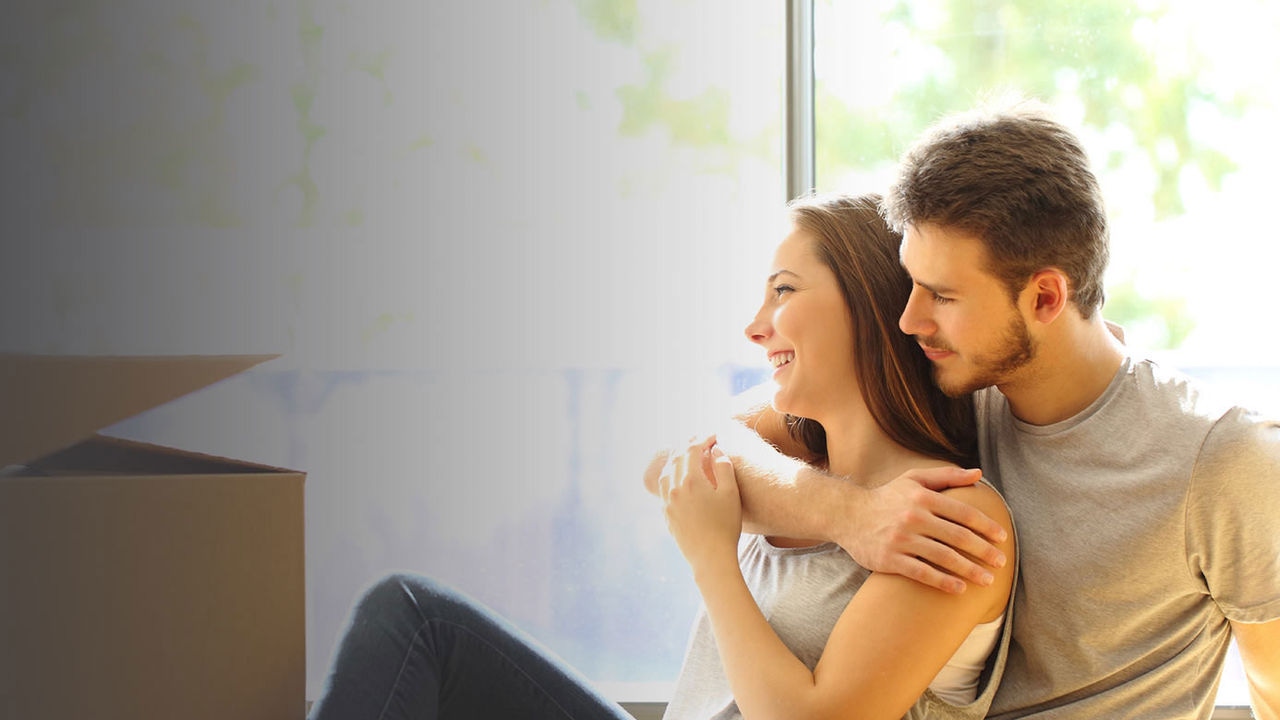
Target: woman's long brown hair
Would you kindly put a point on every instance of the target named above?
(895, 377)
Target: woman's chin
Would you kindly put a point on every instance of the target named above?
(780, 404)
(790, 406)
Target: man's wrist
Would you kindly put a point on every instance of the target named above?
(845, 514)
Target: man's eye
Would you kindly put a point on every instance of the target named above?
(942, 300)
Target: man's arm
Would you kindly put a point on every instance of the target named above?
(904, 527)
(1259, 645)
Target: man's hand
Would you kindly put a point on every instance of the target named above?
(906, 527)
(654, 470)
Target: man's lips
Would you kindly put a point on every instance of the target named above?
(936, 354)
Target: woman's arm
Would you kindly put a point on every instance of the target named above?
(905, 527)
(887, 646)
(1260, 650)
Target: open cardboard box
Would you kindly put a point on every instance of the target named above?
(137, 581)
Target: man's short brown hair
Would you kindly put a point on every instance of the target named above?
(1021, 183)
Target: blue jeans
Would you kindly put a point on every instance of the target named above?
(415, 649)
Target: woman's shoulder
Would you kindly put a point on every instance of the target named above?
(983, 496)
(986, 498)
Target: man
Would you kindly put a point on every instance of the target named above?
(1148, 515)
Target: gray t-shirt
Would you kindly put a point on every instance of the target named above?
(1145, 524)
(802, 592)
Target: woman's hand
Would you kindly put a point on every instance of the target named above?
(704, 511)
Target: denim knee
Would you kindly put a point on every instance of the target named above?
(412, 599)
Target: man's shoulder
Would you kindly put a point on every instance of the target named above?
(1165, 398)
(1172, 393)
(1243, 438)
(1228, 425)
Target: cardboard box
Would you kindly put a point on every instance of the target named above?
(140, 582)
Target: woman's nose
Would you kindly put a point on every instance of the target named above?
(759, 329)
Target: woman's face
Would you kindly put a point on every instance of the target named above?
(806, 330)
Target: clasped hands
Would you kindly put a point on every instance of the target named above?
(699, 492)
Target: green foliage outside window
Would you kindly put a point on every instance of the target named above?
(1102, 56)
(1090, 50)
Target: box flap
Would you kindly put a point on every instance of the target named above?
(49, 402)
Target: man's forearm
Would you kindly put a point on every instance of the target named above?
(905, 527)
(782, 495)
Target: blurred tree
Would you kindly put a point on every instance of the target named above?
(1157, 322)
(1091, 50)
(1101, 55)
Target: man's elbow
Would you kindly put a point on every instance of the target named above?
(654, 470)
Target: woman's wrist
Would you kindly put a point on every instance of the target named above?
(715, 565)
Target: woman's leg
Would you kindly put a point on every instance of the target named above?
(416, 650)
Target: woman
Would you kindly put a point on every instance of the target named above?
(796, 629)
(837, 642)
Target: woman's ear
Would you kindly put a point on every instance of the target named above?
(1050, 291)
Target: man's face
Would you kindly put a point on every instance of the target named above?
(959, 313)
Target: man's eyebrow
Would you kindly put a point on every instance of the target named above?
(935, 289)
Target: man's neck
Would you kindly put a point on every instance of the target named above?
(1072, 368)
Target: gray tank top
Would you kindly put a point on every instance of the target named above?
(802, 591)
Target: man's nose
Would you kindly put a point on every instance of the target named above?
(914, 319)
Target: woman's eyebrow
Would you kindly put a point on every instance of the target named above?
(774, 276)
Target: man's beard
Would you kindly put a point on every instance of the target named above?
(1017, 349)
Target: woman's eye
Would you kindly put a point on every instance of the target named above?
(941, 300)
(780, 289)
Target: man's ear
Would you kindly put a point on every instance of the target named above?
(1050, 292)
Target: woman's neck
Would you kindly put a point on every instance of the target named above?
(858, 449)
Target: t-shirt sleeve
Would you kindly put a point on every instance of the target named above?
(1233, 517)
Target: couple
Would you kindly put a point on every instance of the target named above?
(1148, 531)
